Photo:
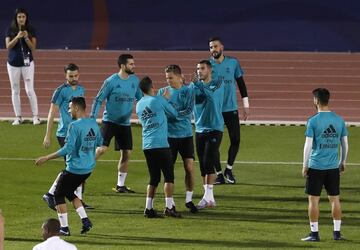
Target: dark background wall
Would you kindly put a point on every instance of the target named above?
(264, 25)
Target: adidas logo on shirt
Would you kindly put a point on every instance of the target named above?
(91, 136)
(329, 132)
(147, 113)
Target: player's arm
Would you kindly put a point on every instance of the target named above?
(307, 151)
(66, 149)
(343, 152)
(98, 100)
(50, 122)
(244, 95)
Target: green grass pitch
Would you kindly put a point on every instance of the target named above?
(266, 209)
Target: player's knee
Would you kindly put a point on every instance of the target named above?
(169, 178)
(59, 199)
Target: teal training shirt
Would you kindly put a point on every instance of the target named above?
(228, 71)
(326, 129)
(152, 112)
(181, 99)
(209, 100)
(62, 97)
(82, 139)
(120, 95)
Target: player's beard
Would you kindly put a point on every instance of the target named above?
(217, 55)
(73, 82)
(129, 71)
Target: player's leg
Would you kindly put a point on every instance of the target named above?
(164, 159)
(332, 186)
(123, 142)
(77, 180)
(62, 188)
(313, 186)
(233, 126)
(186, 149)
(212, 144)
(28, 76)
(14, 77)
(49, 196)
(155, 176)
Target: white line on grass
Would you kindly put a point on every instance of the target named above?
(143, 161)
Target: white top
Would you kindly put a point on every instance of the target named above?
(54, 243)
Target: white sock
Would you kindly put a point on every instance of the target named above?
(189, 195)
(169, 202)
(121, 179)
(229, 167)
(220, 172)
(78, 192)
(63, 218)
(81, 212)
(53, 187)
(314, 226)
(337, 225)
(149, 203)
(209, 193)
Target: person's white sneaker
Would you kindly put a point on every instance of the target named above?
(36, 120)
(17, 121)
(206, 204)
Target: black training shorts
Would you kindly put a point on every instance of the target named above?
(122, 134)
(316, 179)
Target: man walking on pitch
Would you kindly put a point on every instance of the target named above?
(82, 139)
(228, 70)
(120, 91)
(180, 130)
(60, 103)
(325, 133)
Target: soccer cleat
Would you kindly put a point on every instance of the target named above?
(219, 179)
(122, 189)
(64, 231)
(86, 206)
(338, 236)
(172, 212)
(36, 120)
(87, 225)
(50, 200)
(312, 237)
(191, 206)
(205, 204)
(229, 176)
(151, 213)
(18, 120)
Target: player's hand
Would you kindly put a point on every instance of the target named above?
(342, 168)
(166, 94)
(305, 172)
(46, 142)
(246, 114)
(41, 160)
(195, 77)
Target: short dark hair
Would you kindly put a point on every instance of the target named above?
(71, 67)
(52, 226)
(145, 84)
(215, 38)
(322, 94)
(79, 101)
(207, 62)
(173, 68)
(123, 58)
